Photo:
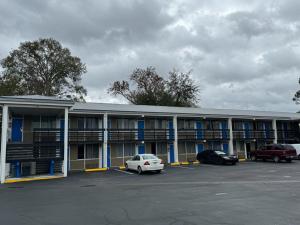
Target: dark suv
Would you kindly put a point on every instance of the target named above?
(275, 152)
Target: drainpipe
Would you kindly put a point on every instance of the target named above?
(230, 146)
(66, 142)
(105, 137)
(175, 139)
(3, 141)
(274, 127)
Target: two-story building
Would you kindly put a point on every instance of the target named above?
(49, 135)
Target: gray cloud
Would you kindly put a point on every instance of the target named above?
(243, 54)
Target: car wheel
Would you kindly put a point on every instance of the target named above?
(276, 159)
(288, 160)
(299, 157)
(253, 157)
(233, 163)
(126, 166)
(140, 171)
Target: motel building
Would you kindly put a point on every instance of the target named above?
(47, 136)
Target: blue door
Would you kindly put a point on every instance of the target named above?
(224, 130)
(141, 149)
(62, 127)
(17, 127)
(199, 130)
(268, 129)
(225, 148)
(247, 132)
(172, 155)
(200, 148)
(171, 130)
(108, 155)
(141, 126)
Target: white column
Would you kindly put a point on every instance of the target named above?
(66, 142)
(230, 145)
(105, 138)
(175, 138)
(3, 141)
(274, 127)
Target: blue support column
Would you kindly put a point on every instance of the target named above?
(52, 166)
(141, 149)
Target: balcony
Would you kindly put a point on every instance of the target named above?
(202, 134)
(34, 152)
(85, 136)
(75, 135)
(253, 134)
(134, 135)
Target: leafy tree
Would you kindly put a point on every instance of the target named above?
(42, 67)
(296, 98)
(146, 87)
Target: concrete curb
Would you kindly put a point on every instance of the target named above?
(96, 170)
(16, 180)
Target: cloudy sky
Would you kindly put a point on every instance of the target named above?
(244, 54)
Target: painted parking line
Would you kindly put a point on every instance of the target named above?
(223, 193)
(122, 171)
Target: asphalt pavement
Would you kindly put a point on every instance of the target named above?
(263, 193)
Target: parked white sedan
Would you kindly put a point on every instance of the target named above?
(145, 162)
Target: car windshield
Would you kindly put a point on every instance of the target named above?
(149, 157)
(220, 153)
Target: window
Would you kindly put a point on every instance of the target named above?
(151, 124)
(92, 151)
(119, 150)
(129, 149)
(48, 122)
(161, 148)
(180, 124)
(189, 124)
(91, 123)
(80, 152)
(120, 124)
(190, 148)
(80, 123)
(36, 122)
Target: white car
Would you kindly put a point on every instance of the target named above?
(297, 147)
(145, 162)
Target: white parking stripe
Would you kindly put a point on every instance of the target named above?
(123, 171)
(221, 193)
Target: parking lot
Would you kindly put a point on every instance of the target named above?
(262, 193)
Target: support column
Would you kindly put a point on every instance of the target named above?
(3, 141)
(274, 127)
(230, 147)
(175, 139)
(105, 138)
(66, 142)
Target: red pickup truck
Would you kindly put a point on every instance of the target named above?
(275, 152)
